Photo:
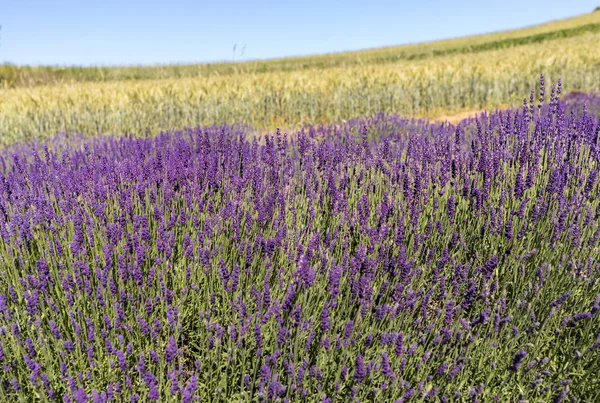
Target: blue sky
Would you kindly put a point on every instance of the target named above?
(108, 32)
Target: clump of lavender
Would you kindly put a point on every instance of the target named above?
(379, 258)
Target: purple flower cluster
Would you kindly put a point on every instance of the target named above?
(379, 259)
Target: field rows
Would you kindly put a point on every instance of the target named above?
(428, 87)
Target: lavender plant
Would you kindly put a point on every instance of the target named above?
(383, 259)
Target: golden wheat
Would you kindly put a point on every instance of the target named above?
(426, 88)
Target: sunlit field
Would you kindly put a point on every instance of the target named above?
(282, 96)
(316, 229)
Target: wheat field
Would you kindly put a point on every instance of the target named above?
(427, 80)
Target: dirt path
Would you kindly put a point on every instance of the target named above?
(451, 118)
(454, 119)
(458, 117)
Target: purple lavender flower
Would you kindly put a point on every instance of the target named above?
(325, 323)
(360, 372)
(171, 350)
(399, 345)
(152, 385)
(517, 360)
(386, 369)
(579, 317)
(189, 390)
(121, 360)
(235, 277)
(455, 371)
(449, 312)
(80, 396)
(451, 208)
(348, 329)
(441, 369)
(561, 300)
(224, 273)
(560, 397)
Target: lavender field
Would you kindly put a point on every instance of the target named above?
(382, 259)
